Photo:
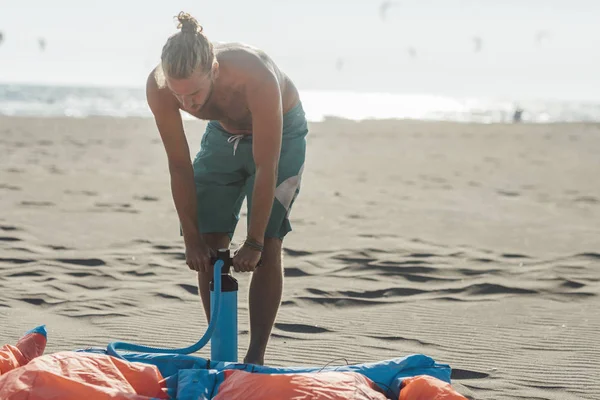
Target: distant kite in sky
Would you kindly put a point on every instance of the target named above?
(384, 7)
(541, 37)
(412, 52)
(477, 43)
(339, 64)
(1, 37)
(42, 44)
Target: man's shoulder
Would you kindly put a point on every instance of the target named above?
(245, 62)
(242, 54)
(156, 79)
(158, 94)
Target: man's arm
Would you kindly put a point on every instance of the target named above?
(170, 126)
(264, 102)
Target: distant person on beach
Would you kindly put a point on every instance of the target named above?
(518, 115)
(253, 147)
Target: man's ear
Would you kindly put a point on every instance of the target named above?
(215, 69)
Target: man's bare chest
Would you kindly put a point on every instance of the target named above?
(231, 109)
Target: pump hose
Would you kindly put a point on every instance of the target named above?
(112, 347)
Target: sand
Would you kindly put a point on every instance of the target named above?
(478, 245)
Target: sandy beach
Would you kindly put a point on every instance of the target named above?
(477, 245)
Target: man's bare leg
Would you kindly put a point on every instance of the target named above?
(266, 288)
(215, 241)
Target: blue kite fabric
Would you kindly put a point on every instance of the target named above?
(190, 377)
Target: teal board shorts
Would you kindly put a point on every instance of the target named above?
(224, 173)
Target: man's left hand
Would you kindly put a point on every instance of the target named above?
(246, 259)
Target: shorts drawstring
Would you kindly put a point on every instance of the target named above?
(235, 139)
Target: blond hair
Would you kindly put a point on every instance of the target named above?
(187, 50)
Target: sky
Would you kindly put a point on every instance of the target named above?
(116, 43)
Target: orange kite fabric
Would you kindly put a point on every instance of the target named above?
(329, 385)
(426, 387)
(26, 374)
(31, 345)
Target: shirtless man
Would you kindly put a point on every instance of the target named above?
(254, 147)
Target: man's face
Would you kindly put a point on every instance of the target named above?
(193, 92)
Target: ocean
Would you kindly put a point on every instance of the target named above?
(79, 102)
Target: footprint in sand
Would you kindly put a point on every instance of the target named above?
(361, 261)
(467, 374)
(336, 299)
(301, 328)
(403, 339)
(595, 256)
(99, 314)
(164, 247)
(78, 274)
(33, 274)
(422, 255)
(507, 193)
(9, 187)
(486, 289)
(167, 296)
(9, 239)
(477, 272)
(44, 300)
(87, 262)
(587, 200)
(117, 207)
(378, 236)
(293, 272)
(491, 160)
(482, 260)
(146, 198)
(82, 192)
(141, 241)
(37, 203)
(89, 287)
(191, 289)
(34, 301)
(570, 284)
(16, 260)
(383, 293)
(139, 273)
(55, 247)
(513, 255)
(296, 253)
(113, 205)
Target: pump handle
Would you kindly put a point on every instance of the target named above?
(224, 255)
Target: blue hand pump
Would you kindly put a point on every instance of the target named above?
(222, 328)
(224, 340)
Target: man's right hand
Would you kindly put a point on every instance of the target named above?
(198, 255)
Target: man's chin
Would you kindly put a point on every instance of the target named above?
(194, 110)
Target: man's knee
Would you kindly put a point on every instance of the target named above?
(271, 255)
(216, 241)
